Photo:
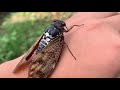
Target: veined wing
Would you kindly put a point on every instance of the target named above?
(44, 62)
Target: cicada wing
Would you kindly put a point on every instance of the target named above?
(27, 57)
(45, 62)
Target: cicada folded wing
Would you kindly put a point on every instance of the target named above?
(44, 63)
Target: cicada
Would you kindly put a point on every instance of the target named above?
(45, 53)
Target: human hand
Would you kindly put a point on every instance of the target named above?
(96, 46)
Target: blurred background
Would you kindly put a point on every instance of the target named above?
(19, 30)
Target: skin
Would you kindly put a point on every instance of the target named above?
(96, 46)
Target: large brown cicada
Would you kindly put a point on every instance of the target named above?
(45, 53)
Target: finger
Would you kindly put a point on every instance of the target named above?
(95, 15)
(6, 69)
(114, 21)
(84, 16)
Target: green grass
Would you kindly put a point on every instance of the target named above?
(20, 30)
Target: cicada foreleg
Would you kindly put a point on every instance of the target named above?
(68, 29)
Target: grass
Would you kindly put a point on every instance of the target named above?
(21, 29)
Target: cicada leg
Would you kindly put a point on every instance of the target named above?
(68, 29)
(70, 50)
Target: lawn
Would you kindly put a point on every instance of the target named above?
(19, 30)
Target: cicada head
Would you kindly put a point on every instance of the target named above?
(59, 24)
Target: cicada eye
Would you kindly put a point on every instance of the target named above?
(54, 20)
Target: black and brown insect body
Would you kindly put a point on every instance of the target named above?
(48, 51)
(45, 53)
